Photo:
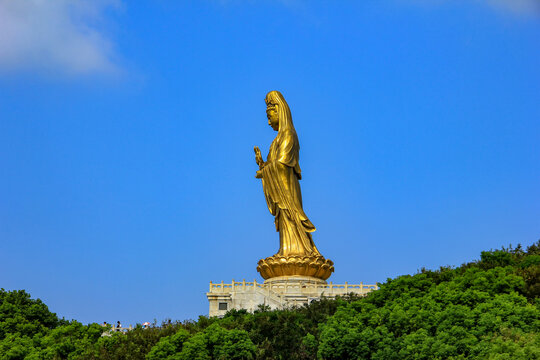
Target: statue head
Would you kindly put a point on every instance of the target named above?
(278, 112)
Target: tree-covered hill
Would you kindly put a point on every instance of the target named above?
(480, 310)
(486, 309)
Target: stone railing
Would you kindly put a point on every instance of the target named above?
(234, 286)
(329, 289)
(110, 329)
(119, 328)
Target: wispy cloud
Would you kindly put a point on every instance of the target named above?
(514, 7)
(60, 36)
(524, 7)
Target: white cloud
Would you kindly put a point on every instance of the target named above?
(517, 6)
(55, 35)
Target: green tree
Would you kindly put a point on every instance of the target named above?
(19, 314)
(168, 346)
(215, 342)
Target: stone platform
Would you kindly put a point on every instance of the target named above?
(277, 293)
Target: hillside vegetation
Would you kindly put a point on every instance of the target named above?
(486, 309)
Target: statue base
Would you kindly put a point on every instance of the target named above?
(313, 266)
(296, 279)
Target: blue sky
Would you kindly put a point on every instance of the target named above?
(127, 134)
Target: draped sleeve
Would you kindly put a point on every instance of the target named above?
(288, 151)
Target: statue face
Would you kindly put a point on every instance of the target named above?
(272, 115)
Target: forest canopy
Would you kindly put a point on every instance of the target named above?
(485, 309)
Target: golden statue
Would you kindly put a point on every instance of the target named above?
(297, 255)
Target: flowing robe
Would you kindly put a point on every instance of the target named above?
(280, 175)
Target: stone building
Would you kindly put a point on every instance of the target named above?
(277, 294)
